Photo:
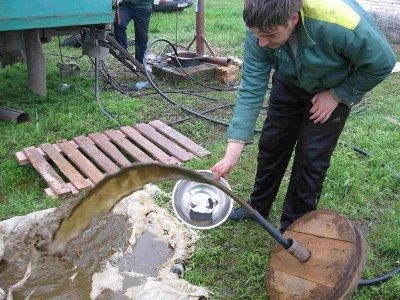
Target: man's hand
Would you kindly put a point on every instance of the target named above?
(228, 162)
(323, 106)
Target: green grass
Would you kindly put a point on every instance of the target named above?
(230, 260)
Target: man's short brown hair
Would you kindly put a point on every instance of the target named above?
(266, 14)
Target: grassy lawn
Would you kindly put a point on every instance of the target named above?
(230, 260)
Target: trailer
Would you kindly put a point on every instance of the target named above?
(26, 24)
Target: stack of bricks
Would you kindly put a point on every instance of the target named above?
(229, 74)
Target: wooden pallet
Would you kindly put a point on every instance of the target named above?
(69, 167)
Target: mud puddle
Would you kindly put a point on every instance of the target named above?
(104, 260)
(148, 255)
(69, 276)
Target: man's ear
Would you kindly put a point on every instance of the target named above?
(295, 18)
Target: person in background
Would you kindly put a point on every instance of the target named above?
(327, 54)
(139, 11)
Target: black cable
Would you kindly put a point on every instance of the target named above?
(203, 112)
(110, 80)
(170, 100)
(387, 276)
(182, 68)
(183, 93)
(365, 153)
(356, 149)
(379, 279)
(103, 110)
(97, 93)
(117, 86)
(59, 48)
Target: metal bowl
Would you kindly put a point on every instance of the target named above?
(199, 205)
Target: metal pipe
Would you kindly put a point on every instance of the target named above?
(35, 62)
(200, 28)
(222, 61)
(8, 114)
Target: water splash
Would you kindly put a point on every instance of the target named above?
(113, 188)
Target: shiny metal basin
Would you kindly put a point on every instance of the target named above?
(200, 205)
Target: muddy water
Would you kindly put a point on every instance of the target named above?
(112, 189)
(148, 255)
(69, 276)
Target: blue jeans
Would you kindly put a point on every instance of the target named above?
(141, 19)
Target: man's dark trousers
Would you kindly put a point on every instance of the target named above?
(141, 19)
(286, 127)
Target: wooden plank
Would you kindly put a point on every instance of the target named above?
(65, 167)
(350, 284)
(156, 152)
(109, 148)
(163, 142)
(55, 182)
(119, 138)
(87, 167)
(284, 286)
(335, 263)
(320, 268)
(23, 160)
(319, 222)
(179, 138)
(49, 192)
(87, 145)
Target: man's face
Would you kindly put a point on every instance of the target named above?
(276, 36)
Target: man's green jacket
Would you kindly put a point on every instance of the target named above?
(339, 49)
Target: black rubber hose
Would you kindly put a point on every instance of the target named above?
(277, 236)
(364, 153)
(183, 69)
(356, 149)
(379, 279)
(97, 94)
(203, 112)
(170, 100)
(182, 93)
